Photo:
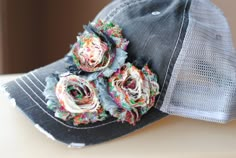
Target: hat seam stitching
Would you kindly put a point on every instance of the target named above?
(116, 10)
(178, 40)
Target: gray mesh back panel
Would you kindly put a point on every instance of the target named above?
(203, 82)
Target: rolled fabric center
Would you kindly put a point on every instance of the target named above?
(129, 87)
(91, 53)
(76, 95)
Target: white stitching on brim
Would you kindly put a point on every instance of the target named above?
(53, 116)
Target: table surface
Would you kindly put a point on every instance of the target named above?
(170, 137)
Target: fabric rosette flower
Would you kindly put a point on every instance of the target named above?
(73, 98)
(91, 54)
(100, 50)
(131, 92)
(114, 31)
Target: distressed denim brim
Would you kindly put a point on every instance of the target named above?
(27, 91)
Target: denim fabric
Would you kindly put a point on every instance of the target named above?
(154, 38)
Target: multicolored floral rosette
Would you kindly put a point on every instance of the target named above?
(73, 98)
(129, 93)
(99, 83)
(99, 51)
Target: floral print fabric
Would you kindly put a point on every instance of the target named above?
(97, 48)
(99, 83)
(133, 92)
(73, 98)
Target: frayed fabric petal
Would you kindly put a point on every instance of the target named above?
(73, 98)
(100, 49)
(106, 100)
(49, 93)
(114, 31)
(131, 92)
(121, 56)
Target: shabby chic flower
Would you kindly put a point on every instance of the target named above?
(92, 54)
(133, 91)
(74, 98)
(99, 50)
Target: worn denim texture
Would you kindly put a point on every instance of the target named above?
(156, 38)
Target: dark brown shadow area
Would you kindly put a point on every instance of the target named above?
(35, 33)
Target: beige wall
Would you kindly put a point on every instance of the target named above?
(37, 32)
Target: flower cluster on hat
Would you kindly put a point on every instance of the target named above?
(99, 51)
(99, 81)
(131, 92)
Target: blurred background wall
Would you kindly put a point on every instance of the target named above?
(1, 36)
(36, 32)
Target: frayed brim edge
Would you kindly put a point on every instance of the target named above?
(6, 94)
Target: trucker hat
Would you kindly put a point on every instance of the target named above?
(137, 62)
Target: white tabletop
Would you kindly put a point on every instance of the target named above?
(171, 137)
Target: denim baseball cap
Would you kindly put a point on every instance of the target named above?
(174, 58)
